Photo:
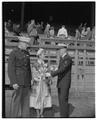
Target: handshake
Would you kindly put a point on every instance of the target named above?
(48, 74)
(52, 69)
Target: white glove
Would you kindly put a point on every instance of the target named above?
(47, 74)
(32, 82)
(56, 68)
(15, 86)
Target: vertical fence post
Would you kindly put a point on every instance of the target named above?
(84, 68)
(76, 68)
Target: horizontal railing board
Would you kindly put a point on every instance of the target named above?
(58, 40)
(63, 40)
(10, 45)
(45, 38)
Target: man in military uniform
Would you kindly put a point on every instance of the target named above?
(64, 80)
(19, 73)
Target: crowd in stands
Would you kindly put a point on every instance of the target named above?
(85, 33)
(34, 30)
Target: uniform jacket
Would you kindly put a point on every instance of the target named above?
(63, 72)
(19, 70)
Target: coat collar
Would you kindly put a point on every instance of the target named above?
(64, 56)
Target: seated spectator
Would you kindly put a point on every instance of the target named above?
(32, 32)
(40, 28)
(42, 25)
(80, 28)
(83, 33)
(8, 32)
(89, 34)
(9, 26)
(77, 34)
(62, 32)
(30, 28)
(47, 30)
(16, 29)
(93, 33)
(52, 32)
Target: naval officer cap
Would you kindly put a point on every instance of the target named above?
(62, 45)
(24, 39)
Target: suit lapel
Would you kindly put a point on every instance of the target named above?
(62, 60)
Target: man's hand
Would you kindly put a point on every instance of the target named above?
(47, 74)
(15, 86)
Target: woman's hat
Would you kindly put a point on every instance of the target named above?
(40, 51)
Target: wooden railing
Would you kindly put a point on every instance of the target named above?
(73, 43)
(78, 49)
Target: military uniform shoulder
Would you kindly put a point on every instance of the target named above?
(14, 51)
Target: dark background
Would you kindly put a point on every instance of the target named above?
(68, 13)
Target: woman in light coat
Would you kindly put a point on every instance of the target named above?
(40, 94)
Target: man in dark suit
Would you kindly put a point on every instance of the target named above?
(19, 73)
(64, 80)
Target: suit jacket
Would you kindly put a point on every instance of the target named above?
(63, 72)
(19, 70)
